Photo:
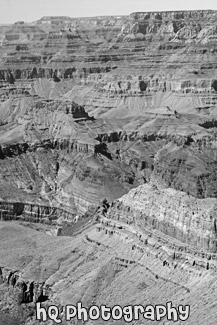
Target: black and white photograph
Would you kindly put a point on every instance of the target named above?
(108, 162)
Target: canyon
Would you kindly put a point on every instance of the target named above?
(108, 155)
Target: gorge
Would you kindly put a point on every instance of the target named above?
(108, 163)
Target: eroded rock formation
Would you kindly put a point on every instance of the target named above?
(176, 214)
(122, 108)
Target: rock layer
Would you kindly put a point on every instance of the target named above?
(176, 214)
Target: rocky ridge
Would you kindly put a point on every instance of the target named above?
(174, 213)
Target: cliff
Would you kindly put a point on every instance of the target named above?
(174, 213)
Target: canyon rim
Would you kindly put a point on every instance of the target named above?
(108, 164)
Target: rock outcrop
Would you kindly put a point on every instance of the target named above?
(32, 212)
(174, 213)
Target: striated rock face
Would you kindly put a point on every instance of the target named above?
(175, 214)
(191, 169)
(95, 265)
(32, 212)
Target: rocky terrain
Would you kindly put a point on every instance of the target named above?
(108, 155)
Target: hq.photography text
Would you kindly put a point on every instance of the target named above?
(128, 313)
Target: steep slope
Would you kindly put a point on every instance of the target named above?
(106, 264)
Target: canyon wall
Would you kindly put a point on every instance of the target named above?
(94, 107)
(174, 213)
